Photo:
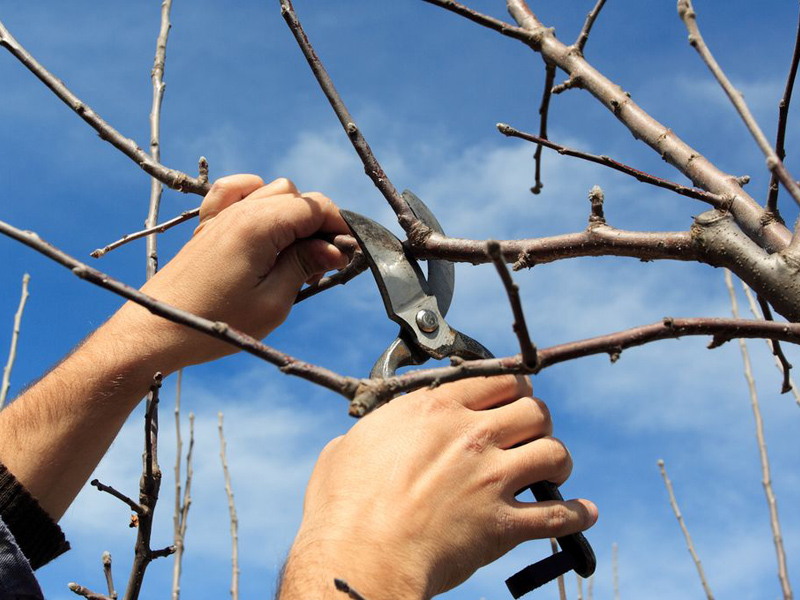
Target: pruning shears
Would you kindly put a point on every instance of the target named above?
(419, 305)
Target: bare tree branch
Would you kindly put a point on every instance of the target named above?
(781, 362)
(101, 487)
(149, 486)
(713, 199)
(579, 584)
(157, 77)
(583, 37)
(232, 510)
(86, 592)
(160, 228)
(527, 349)
(174, 179)
(544, 108)
(221, 331)
(112, 593)
(182, 501)
(783, 118)
(766, 481)
(356, 266)
(774, 164)
(415, 228)
(590, 588)
(674, 503)
(748, 213)
(12, 352)
(562, 590)
(494, 24)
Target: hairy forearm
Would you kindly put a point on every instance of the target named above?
(54, 434)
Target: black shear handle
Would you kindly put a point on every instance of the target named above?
(576, 553)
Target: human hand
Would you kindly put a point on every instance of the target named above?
(248, 258)
(421, 493)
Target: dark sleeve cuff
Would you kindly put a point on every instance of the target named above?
(37, 534)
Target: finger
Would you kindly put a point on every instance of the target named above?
(478, 393)
(279, 186)
(227, 191)
(297, 264)
(551, 519)
(520, 421)
(288, 218)
(544, 459)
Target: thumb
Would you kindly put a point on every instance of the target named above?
(300, 262)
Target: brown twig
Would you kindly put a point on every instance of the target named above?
(232, 510)
(486, 21)
(112, 592)
(221, 331)
(674, 503)
(766, 481)
(356, 266)
(783, 118)
(714, 200)
(156, 187)
(527, 349)
(182, 501)
(12, 353)
(86, 592)
(372, 167)
(544, 108)
(781, 362)
(101, 487)
(170, 177)
(149, 486)
(344, 587)
(160, 228)
(583, 37)
(774, 164)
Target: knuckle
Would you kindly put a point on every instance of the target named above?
(541, 408)
(477, 438)
(558, 518)
(559, 459)
(507, 523)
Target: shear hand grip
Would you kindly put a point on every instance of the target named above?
(576, 553)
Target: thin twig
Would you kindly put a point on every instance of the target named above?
(344, 587)
(674, 503)
(781, 362)
(160, 228)
(579, 583)
(112, 592)
(156, 187)
(86, 592)
(783, 118)
(714, 200)
(562, 589)
(590, 588)
(101, 487)
(497, 25)
(615, 570)
(544, 108)
(774, 164)
(174, 179)
(372, 167)
(12, 353)
(222, 331)
(356, 266)
(583, 37)
(182, 500)
(232, 510)
(527, 349)
(766, 481)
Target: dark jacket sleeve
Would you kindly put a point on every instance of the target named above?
(37, 535)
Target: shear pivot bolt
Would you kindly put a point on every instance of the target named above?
(426, 321)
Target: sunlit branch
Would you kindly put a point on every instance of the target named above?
(12, 352)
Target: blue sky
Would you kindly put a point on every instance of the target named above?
(426, 89)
